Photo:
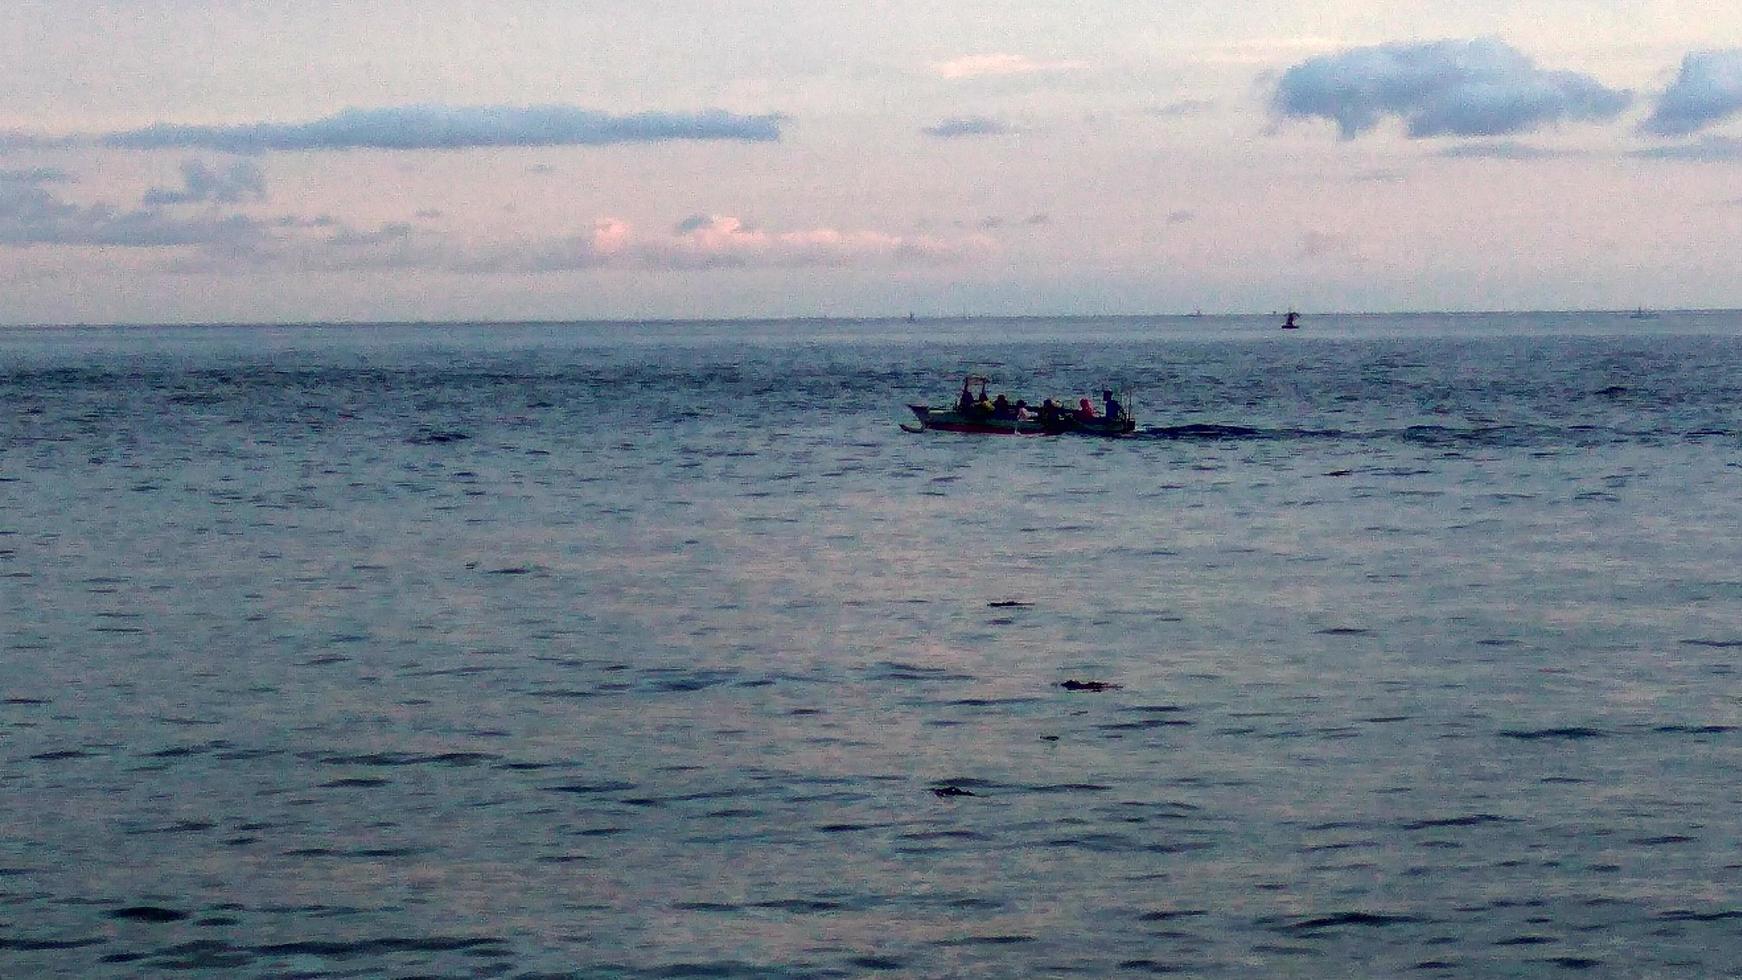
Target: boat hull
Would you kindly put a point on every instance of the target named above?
(950, 420)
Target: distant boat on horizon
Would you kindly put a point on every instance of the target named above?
(1642, 314)
(1292, 321)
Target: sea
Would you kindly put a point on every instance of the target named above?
(1394, 646)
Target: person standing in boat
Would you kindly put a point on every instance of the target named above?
(965, 404)
(1115, 411)
(1049, 414)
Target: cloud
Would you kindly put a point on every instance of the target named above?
(1481, 87)
(698, 242)
(723, 240)
(981, 65)
(434, 127)
(1181, 109)
(30, 215)
(1500, 150)
(1708, 90)
(36, 175)
(1324, 245)
(1708, 149)
(958, 127)
(200, 183)
(694, 222)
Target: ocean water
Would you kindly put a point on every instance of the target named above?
(659, 650)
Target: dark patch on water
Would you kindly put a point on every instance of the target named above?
(1571, 733)
(1312, 924)
(148, 913)
(1472, 820)
(1152, 966)
(1682, 915)
(437, 437)
(800, 906)
(445, 759)
(585, 789)
(43, 945)
(389, 944)
(897, 671)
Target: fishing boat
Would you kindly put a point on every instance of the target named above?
(973, 421)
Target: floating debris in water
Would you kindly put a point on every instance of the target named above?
(1008, 604)
(1090, 686)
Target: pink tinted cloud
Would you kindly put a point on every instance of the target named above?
(728, 240)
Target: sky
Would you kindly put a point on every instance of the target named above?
(182, 161)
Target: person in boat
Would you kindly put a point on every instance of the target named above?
(1049, 414)
(1022, 412)
(1085, 411)
(965, 404)
(1001, 408)
(1115, 410)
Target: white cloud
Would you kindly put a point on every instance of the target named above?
(1501, 150)
(1481, 87)
(1181, 108)
(982, 65)
(1328, 245)
(1707, 90)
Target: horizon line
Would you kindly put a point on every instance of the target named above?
(850, 318)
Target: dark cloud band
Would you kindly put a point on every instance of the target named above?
(434, 127)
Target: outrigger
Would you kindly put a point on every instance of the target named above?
(968, 415)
